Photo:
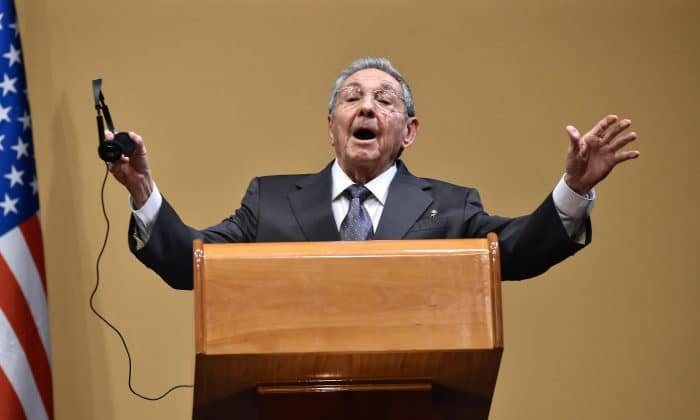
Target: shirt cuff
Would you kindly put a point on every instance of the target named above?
(573, 209)
(146, 216)
(572, 204)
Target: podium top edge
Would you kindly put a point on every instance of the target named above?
(374, 248)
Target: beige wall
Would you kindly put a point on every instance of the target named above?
(226, 90)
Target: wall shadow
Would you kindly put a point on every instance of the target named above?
(71, 279)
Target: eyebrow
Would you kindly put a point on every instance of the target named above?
(384, 85)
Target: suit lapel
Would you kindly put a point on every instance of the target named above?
(311, 204)
(406, 201)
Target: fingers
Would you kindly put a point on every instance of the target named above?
(121, 169)
(617, 144)
(118, 165)
(616, 129)
(140, 149)
(599, 129)
(136, 138)
(621, 142)
(627, 155)
(130, 171)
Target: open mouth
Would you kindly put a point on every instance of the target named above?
(364, 134)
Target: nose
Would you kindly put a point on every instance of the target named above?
(367, 105)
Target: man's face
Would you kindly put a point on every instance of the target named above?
(368, 126)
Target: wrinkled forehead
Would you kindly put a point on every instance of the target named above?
(371, 79)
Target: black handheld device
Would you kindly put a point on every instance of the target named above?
(109, 151)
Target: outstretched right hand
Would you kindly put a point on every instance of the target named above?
(133, 172)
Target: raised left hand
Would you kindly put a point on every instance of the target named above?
(592, 156)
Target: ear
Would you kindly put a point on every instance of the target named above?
(410, 132)
(330, 131)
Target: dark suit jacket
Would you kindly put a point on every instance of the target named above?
(297, 208)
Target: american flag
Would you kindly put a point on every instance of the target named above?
(25, 373)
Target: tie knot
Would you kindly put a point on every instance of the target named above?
(359, 191)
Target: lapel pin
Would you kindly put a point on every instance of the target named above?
(433, 214)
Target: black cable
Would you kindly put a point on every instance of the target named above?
(97, 284)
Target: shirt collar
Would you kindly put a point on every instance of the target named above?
(379, 186)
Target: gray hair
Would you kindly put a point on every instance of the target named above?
(378, 63)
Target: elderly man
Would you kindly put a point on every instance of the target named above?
(367, 193)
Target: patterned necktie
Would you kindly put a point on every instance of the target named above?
(357, 225)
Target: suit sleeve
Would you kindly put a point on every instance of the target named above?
(530, 244)
(168, 251)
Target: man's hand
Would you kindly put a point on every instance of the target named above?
(133, 172)
(592, 156)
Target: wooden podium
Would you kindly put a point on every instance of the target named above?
(347, 330)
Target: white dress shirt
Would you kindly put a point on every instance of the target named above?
(374, 204)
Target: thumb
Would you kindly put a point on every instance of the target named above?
(574, 136)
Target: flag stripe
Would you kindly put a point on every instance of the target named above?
(15, 365)
(31, 229)
(19, 317)
(10, 407)
(14, 249)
